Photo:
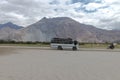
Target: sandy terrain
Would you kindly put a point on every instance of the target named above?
(47, 64)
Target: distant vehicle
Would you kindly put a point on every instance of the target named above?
(64, 43)
(112, 46)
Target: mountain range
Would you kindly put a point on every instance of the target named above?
(7, 29)
(61, 27)
(10, 25)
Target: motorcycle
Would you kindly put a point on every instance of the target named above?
(111, 46)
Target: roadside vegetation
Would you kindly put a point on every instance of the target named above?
(47, 44)
(27, 43)
(97, 45)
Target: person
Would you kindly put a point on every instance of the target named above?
(111, 46)
(75, 42)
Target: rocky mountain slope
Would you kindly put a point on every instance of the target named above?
(7, 29)
(64, 27)
(5, 33)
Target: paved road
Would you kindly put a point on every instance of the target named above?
(24, 63)
(48, 48)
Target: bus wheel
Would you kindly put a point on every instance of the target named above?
(74, 48)
(60, 48)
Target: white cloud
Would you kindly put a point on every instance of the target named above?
(92, 6)
(105, 14)
(16, 16)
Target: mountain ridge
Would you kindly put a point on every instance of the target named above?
(11, 25)
(63, 27)
(7, 29)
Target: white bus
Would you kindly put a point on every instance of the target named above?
(62, 43)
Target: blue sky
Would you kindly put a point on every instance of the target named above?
(103, 14)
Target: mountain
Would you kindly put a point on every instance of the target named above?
(10, 25)
(64, 27)
(7, 29)
(5, 33)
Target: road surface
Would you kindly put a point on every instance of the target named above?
(30, 63)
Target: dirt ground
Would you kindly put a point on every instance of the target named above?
(27, 63)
